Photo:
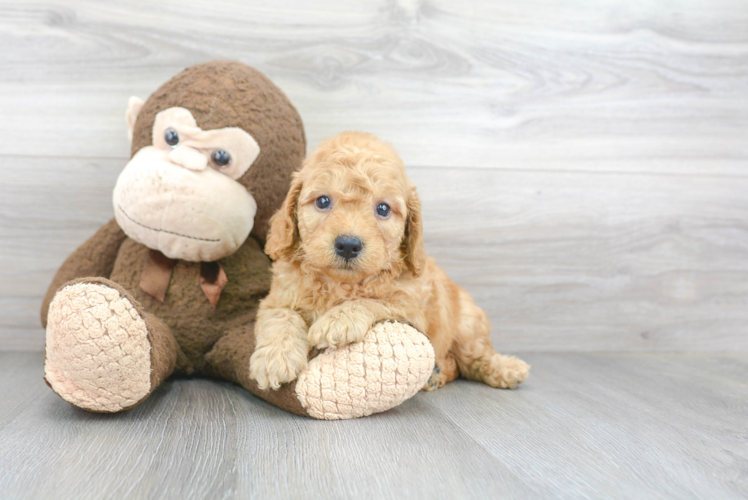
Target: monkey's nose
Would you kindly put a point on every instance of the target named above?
(348, 247)
(188, 157)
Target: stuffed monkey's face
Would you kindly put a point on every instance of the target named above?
(180, 195)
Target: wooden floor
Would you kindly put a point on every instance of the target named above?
(584, 426)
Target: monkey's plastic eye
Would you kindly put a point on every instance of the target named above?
(323, 202)
(171, 137)
(221, 158)
(383, 210)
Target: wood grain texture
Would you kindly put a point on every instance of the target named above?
(559, 260)
(612, 85)
(583, 163)
(583, 426)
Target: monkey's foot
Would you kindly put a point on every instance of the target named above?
(98, 355)
(388, 366)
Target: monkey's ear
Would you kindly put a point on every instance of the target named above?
(283, 237)
(412, 246)
(134, 105)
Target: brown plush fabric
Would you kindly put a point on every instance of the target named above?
(187, 335)
(230, 356)
(93, 258)
(229, 94)
(164, 350)
(186, 309)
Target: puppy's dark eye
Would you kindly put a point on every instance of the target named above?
(323, 202)
(383, 210)
(171, 137)
(221, 158)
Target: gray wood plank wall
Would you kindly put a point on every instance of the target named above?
(583, 164)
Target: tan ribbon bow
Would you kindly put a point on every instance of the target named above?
(157, 274)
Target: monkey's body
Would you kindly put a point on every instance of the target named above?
(122, 317)
(186, 310)
(215, 343)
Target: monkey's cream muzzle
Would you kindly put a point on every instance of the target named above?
(175, 199)
(195, 215)
(188, 157)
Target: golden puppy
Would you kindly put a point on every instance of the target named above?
(348, 246)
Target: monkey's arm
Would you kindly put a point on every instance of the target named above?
(94, 258)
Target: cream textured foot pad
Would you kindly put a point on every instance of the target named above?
(390, 365)
(98, 356)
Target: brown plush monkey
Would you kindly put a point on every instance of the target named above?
(172, 284)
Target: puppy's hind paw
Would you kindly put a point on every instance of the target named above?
(505, 372)
(435, 381)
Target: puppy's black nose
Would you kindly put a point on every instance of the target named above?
(348, 247)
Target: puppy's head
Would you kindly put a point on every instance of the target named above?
(351, 213)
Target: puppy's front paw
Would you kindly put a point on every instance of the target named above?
(337, 328)
(272, 365)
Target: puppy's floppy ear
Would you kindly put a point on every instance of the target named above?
(283, 237)
(412, 246)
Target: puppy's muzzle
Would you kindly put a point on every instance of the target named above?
(349, 247)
